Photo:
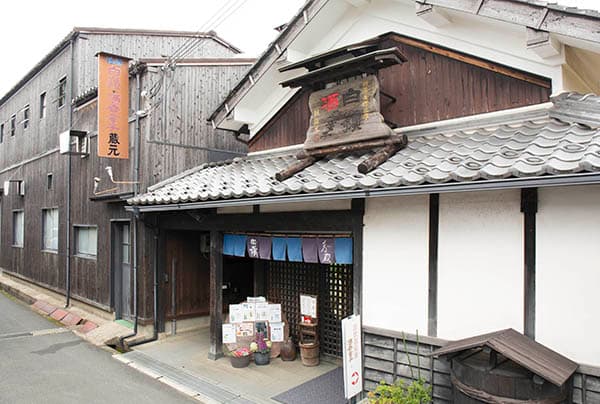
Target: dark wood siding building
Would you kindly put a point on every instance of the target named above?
(173, 137)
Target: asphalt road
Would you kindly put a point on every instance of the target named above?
(56, 366)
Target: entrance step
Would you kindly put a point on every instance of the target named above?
(181, 380)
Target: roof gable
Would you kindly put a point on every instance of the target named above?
(323, 25)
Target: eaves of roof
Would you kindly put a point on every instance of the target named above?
(583, 24)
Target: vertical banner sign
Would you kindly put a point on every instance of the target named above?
(113, 106)
(352, 347)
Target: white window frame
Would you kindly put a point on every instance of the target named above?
(43, 101)
(16, 240)
(62, 92)
(13, 124)
(50, 241)
(86, 251)
(26, 116)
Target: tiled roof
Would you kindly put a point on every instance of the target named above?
(541, 146)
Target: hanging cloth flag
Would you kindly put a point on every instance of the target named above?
(326, 250)
(240, 246)
(310, 250)
(264, 248)
(294, 249)
(228, 244)
(343, 250)
(278, 248)
(253, 247)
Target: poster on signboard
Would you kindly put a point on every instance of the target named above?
(276, 332)
(275, 313)
(113, 106)
(262, 311)
(229, 334)
(244, 330)
(249, 311)
(236, 314)
(352, 356)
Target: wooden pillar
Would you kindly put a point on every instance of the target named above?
(529, 207)
(358, 212)
(215, 350)
(259, 277)
(434, 224)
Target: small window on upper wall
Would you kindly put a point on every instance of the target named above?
(86, 241)
(13, 125)
(49, 181)
(62, 91)
(26, 117)
(1, 132)
(42, 105)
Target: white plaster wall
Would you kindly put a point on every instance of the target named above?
(395, 263)
(480, 263)
(568, 272)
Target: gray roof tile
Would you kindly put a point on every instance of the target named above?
(547, 146)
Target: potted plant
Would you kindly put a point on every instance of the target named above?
(261, 348)
(240, 358)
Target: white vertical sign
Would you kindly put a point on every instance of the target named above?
(352, 347)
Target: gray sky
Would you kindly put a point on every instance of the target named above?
(30, 29)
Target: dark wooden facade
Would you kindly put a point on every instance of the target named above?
(434, 84)
(172, 140)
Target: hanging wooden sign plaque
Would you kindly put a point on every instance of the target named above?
(346, 113)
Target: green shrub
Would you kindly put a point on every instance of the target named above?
(400, 392)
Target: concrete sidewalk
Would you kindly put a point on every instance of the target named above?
(92, 324)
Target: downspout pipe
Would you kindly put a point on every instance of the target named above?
(69, 169)
(135, 216)
(154, 336)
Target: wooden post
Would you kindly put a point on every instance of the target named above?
(358, 211)
(529, 205)
(434, 219)
(215, 350)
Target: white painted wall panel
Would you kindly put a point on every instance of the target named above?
(568, 272)
(395, 271)
(480, 263)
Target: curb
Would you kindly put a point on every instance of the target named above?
(16, 293)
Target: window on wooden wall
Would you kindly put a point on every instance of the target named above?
(42, 105)
(13, 124)
(26, 114)
(18, 228)
(1, 133)
(62, 91)
(86, 241)
(50, 229)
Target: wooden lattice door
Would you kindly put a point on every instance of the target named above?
(331, 283)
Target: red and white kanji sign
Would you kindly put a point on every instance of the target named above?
(352, 348)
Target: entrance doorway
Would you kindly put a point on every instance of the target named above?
(185, 280)
(121, 263)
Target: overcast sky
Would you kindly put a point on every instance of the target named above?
(30, 29)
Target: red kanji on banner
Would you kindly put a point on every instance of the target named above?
(330, 102)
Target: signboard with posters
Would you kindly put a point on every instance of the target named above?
(113, 106)
(352, 350)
